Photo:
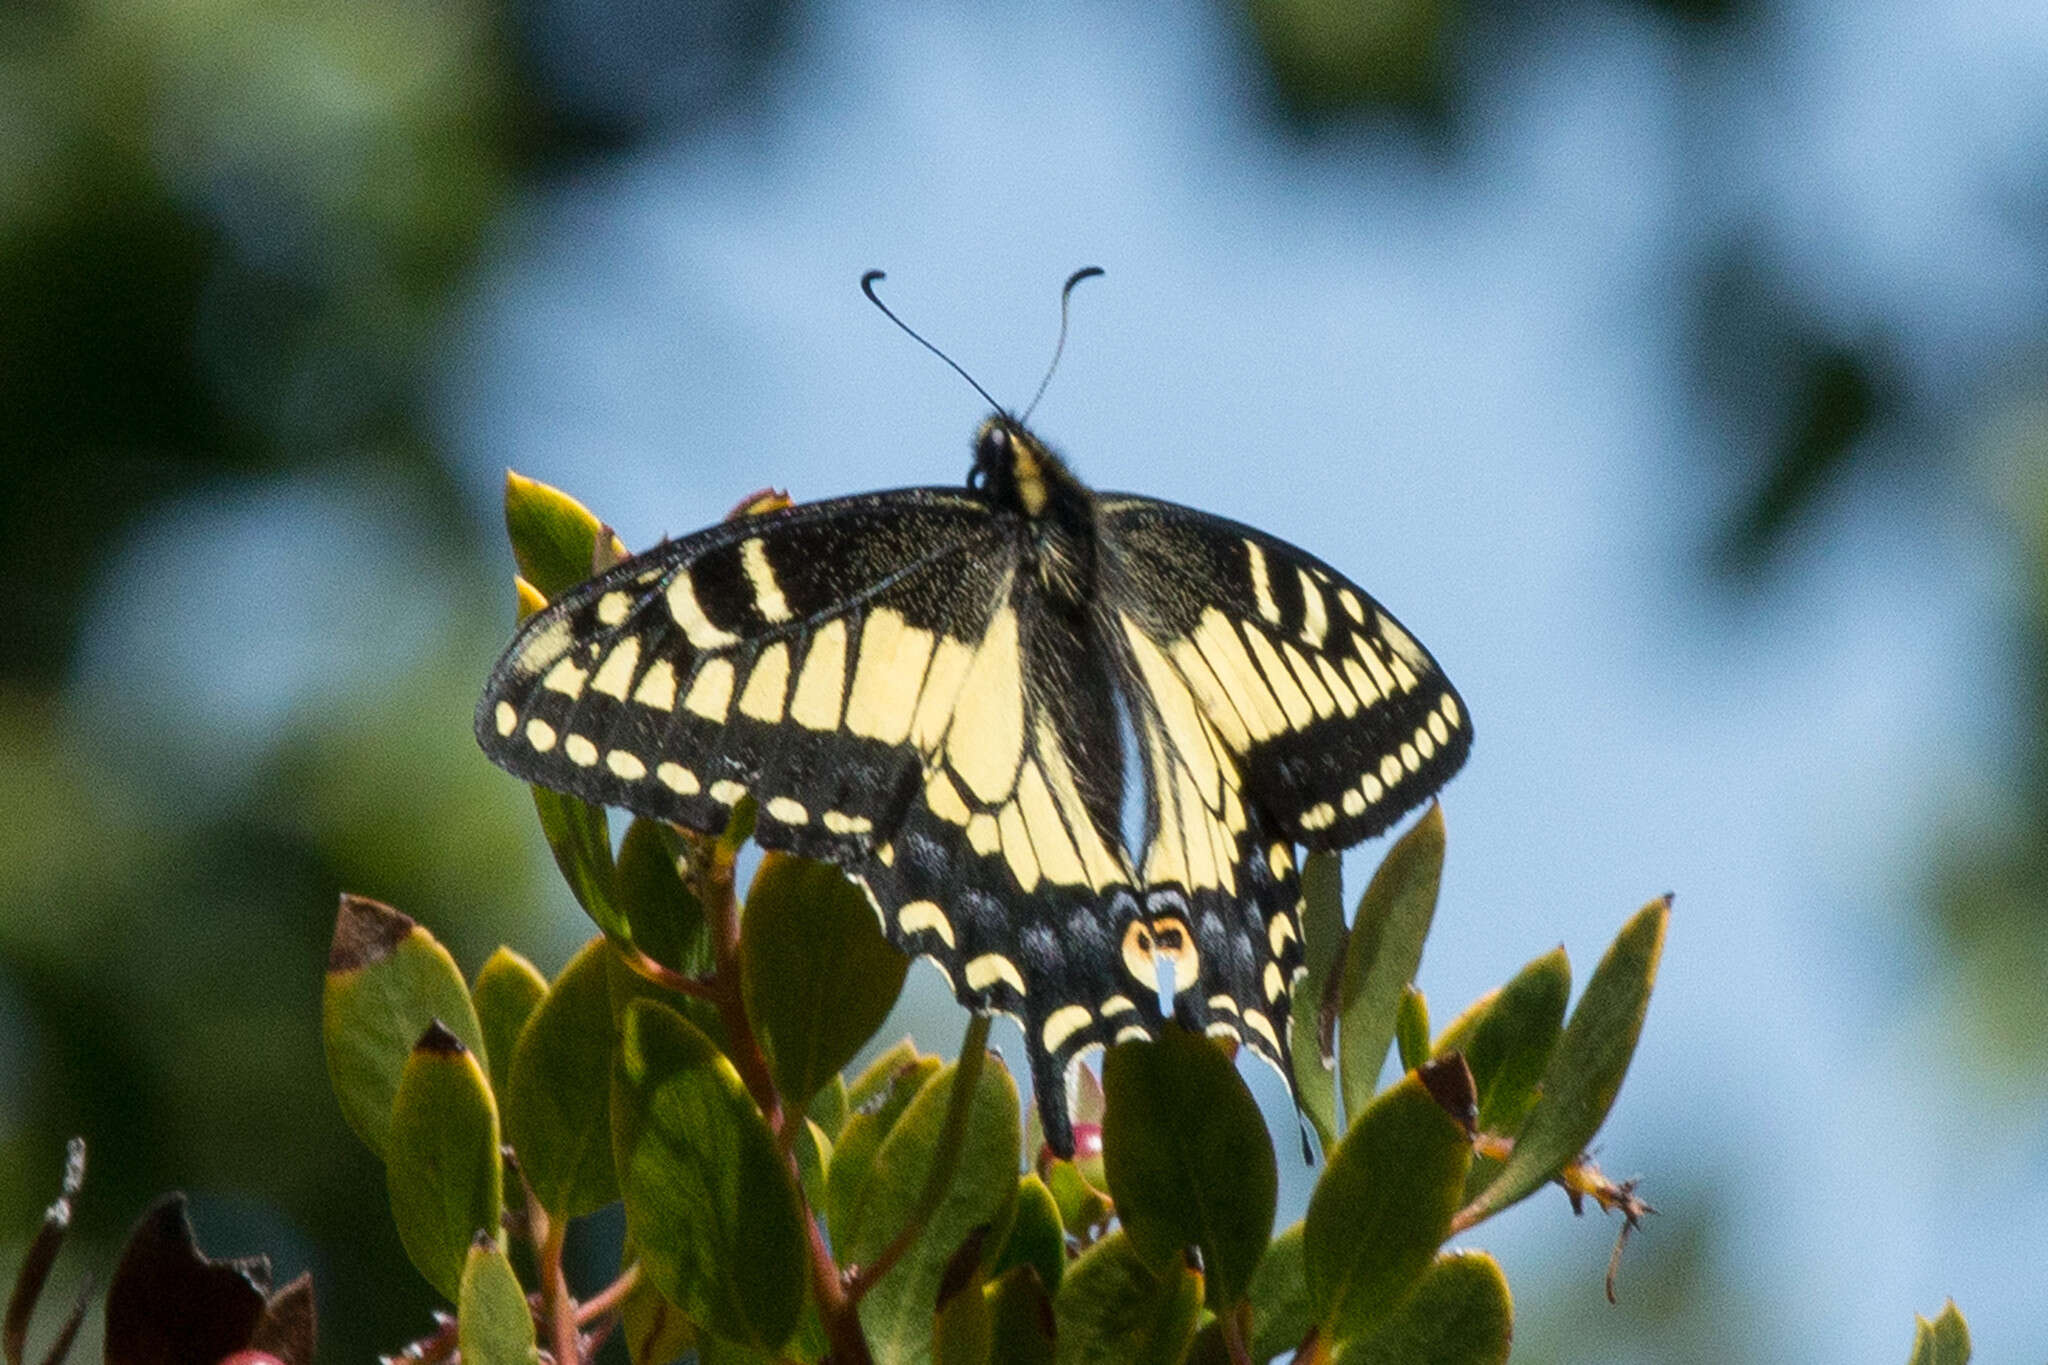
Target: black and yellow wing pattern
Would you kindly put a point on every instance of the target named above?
(935, 689)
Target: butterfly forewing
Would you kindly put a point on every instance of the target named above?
(792, 657)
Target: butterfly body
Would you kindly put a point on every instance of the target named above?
(933, 688)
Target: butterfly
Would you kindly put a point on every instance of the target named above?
(940, 689)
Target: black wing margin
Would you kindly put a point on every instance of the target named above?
(788, 656)
(1340, 721)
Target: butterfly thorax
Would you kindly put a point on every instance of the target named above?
(1053, 510)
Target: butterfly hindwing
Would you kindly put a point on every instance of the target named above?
(1339, 720)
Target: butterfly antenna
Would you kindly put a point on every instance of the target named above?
(1086, 272)
(867, 286)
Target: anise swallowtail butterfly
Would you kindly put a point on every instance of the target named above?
(934, 689)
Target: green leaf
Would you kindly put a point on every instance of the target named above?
(1383, 952)
(442, 1167)
(1112, 1309)
(880, 1096)
(830, 1108)
(655, 1330)
(1460, 1314)
(709, 1203)
(554, 537)
(1411, 1028)
(1507, 1037)
(1324, 934)
(1082, 1206)
(1281, 1312)
(1188, 1159)
(961, 1328)
(582, 845)
(663, 916)
(1036, 1237)
(1945, 1341)
(387, 979)
(506, 991)
(495, 1324)
(1382, 1207)
(816, 973)
(1020, 1318)
(897, 1313)
(558, 1100)
(1586, 1067)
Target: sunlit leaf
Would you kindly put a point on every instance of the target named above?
(880, 1096)
(897, 1313)
(554, 537)
(1113, 1309)
(1945, 1341)
(557, 1104)
(1324, 934)
(1459, 1314)
(496, 1326)
(708, 1201)
(1382, 1208)
(1587, 1065)
(1507, 1038)
(1383, 952)
(1036, 1237)
(442, 1168)
(507, 989)
(387, 979)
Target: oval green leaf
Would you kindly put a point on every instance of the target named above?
(1383, 952)
(1382, 1208)
(1945, 1341)
(1188, 1159)
(1460, 1314)
(1507, 1038)
(442, 1167)
(1281, 1312)
(387, 979)
(663, 916)
(582, 844)
(1586, 1067)
(505, 993)
(558, 1099)
(1113, 1309)
(897, 1313)
(817, 974)
(709, 1202)
(1020, 1319)
(554, 537)
(885, 1090)
(1036, 1237)
(1323, 943)
(495, 1326)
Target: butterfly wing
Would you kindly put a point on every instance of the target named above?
(799, 657)
(1339, 721)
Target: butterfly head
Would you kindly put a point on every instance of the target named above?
(1020, 472)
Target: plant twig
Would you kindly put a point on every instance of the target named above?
(661, 974)
(945, 1158)
(609, 1297)
(1233, 1323)
(549, 1236)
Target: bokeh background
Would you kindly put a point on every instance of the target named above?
(1675, 368)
